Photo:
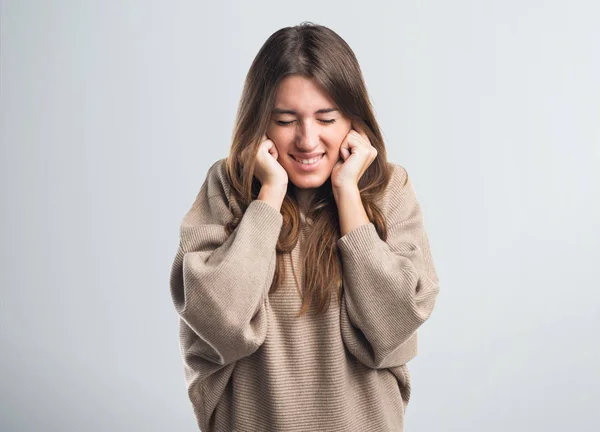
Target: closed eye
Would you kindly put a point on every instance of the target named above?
(284, 123)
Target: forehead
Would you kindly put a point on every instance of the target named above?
(302, 95)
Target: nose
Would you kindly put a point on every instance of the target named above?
(308, 137)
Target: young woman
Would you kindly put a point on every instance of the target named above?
(304, 269)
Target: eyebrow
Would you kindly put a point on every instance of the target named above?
(292, 112)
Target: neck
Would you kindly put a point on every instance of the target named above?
(304, 195)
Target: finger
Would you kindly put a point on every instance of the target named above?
(273, 151)
(361, 132)
(345, 152)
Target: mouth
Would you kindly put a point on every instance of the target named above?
(309, 165)
(310, 161)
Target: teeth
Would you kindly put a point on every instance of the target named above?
(309, 161)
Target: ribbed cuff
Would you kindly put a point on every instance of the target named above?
(265, 210)
(264, 224)
(360, 239)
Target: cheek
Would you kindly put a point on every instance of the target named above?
(335, 139)
(279, 136)
(340, 133)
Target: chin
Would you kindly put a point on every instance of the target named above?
(312, 185)
(309, 181)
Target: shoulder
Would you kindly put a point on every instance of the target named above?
(399, 183)
(211, 204)
(398, 175)
(400, 199)
(216, 183)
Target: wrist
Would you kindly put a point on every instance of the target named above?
(273, 194)
(350, 192)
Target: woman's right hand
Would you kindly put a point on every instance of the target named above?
(267, 169)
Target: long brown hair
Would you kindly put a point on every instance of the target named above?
(317, 52)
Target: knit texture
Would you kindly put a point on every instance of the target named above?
(251, 365)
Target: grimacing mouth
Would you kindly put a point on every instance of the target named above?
(294, 157)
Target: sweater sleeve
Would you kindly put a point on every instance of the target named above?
(219, 283)
(390, 287)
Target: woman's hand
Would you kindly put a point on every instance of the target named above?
(357, 154)
(267, 169)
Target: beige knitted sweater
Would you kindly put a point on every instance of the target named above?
(250, 365)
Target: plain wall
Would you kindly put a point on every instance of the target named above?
(112, 112)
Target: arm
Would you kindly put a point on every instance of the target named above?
(219, 284)
(390, 286)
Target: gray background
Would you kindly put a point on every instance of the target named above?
(112, 111)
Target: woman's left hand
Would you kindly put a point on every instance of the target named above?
(357, 153)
